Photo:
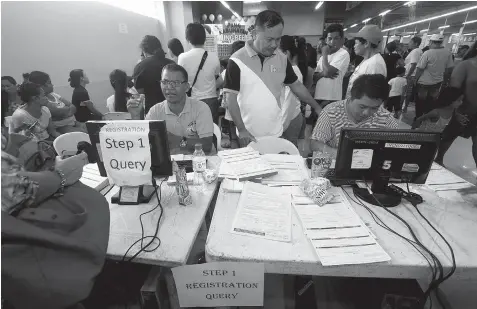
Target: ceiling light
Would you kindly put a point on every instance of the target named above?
(443, 27)
(318, 5)
(228, 7)
(366, 20)
(431, 18)
(473, 33)
(225, 4)
(406, 36)
(424, 30)
(470, 22)
(354, 25)
(252, 1)
(384, 13)
(409, 3)
(345, 29)
(454, 34)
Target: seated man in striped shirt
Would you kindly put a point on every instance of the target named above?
(362, 110)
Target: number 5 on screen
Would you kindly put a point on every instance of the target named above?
(387, 165)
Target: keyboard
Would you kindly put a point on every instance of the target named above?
(331, 176)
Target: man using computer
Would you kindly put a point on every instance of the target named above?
(362, 110)
(188, 121)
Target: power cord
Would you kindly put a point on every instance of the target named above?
(454, 264)
(434, 282)
(153, 237)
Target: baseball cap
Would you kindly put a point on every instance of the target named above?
(437, 37)
(370, 33)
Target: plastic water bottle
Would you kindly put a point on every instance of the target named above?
(198, 165)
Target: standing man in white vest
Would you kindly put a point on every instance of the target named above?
(254, 79)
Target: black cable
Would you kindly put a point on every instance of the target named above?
(386, 227)
(454, 265)
(439, 264)
(154, 237)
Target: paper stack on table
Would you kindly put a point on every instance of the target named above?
(337, 233)
(264, 212)
(92, 178)
(291, 170)
(244, 164)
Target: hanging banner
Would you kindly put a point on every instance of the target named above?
(126, 152)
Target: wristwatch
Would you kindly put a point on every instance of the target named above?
(62, 176)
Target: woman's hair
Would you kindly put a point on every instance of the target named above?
(472, 52)
(374, 86)
(151, 45)
(311, 56)
(119, 81)
(5, 104)
(28, 90)
(37, 77)
(175, 46)
(75, 77)
(289, 44)
(10, 79)
(302, 58)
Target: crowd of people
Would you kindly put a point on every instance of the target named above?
(273, 85)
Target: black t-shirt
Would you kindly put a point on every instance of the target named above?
(147, 76)
(391, 61)
(83, 113)
(232, 75)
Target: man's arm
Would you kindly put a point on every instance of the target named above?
(418, 74)
(231, 91)
(322, 134)
(60, 112)
(328, 70)
(411, 70)
(304, 95)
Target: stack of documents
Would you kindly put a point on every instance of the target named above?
(92, 178)
(337, 233)
(264, 212)
(291, 170)
(243, 164)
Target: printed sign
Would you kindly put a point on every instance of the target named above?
(402, 146)
(126, 153)
(362, 159)
(220, 284)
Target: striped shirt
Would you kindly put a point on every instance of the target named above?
(334, 118)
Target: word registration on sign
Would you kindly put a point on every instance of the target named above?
(220, 284)
(126, 152)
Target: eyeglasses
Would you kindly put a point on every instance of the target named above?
(174, 83)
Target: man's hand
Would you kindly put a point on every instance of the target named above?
(245, 138)
(325, 50)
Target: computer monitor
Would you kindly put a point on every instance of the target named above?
(161, 164)
(383, 156)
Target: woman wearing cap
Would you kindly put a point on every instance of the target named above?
(431, 68)
(366, 45)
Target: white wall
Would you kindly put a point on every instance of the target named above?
(179, 15)
(56, 37)
(300, 20)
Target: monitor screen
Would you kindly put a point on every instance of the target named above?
(393, 155)
(161, 164)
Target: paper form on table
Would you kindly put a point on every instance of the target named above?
(338, 234)
(264, 212)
